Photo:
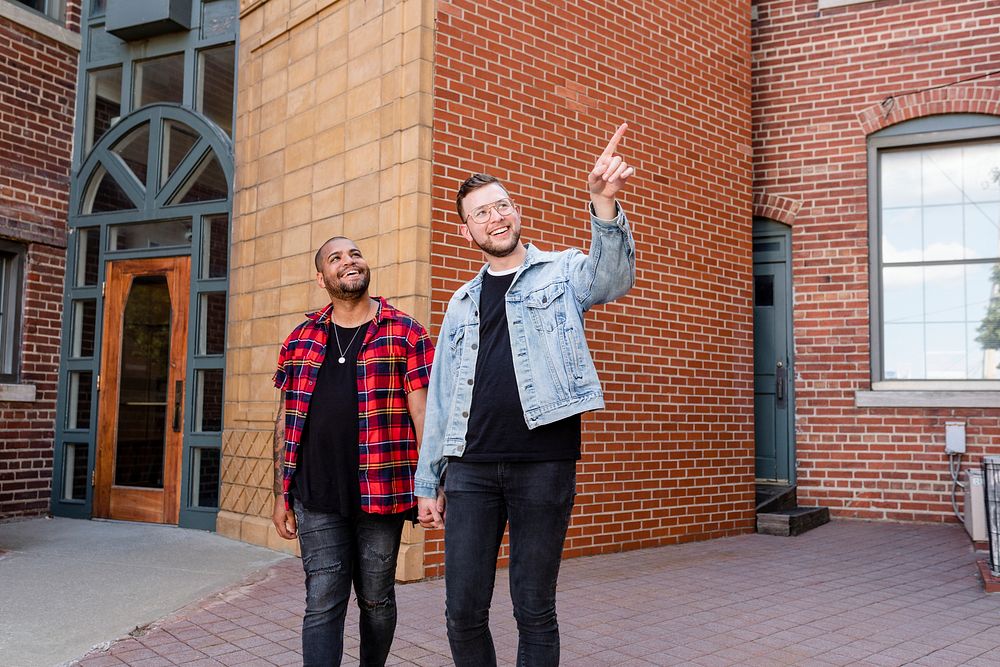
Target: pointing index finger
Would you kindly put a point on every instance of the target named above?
(613, 144)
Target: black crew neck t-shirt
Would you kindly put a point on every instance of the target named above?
(326, 474)
(497, 430)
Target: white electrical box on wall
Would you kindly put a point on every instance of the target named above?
(954, 437)
(975, 505)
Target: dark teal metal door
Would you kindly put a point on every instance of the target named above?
(774, 410)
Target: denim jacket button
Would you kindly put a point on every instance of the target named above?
(471, 381)
(475, 346)
(465, 415)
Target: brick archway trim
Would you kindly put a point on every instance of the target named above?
(982, 98)
(773, 207)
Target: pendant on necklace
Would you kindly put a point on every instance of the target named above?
(341, 360)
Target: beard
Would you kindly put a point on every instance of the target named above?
(495, 249)
(349, 289)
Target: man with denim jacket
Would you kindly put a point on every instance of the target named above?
(511, 377)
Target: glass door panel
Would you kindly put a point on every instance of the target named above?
(215, 246)
(211, 324)
(142, 395)
(84, 328)
(88, 256)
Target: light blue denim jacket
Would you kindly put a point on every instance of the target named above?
(556, 377)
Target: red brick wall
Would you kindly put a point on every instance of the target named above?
(37, 91)
(817, 77)
(530, 92)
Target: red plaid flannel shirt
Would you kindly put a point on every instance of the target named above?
(395, 359)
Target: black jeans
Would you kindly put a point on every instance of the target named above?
(536, 499)
(337, 551)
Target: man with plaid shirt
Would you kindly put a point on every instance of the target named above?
(354, 379)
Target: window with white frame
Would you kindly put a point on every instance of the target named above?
(936, 253)
(54, 9)
(11, 271)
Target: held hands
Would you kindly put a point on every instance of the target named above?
(430, 511)
(608, 177)
(284, 519)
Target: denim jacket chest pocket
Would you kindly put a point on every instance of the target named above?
(555, 341)
(547, 307)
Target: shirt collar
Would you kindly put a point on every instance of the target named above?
(322, 316)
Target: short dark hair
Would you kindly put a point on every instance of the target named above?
(475, 182)
(318, 259)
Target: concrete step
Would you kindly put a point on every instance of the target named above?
(774, 497)
(791, 521)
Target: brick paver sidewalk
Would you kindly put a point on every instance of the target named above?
(848, 593)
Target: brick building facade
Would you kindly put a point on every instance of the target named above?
(530, 92)
(842, 92)
(37, 95)
(362, 118)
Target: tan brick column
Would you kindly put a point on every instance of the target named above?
(333, 136)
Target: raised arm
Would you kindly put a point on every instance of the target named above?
(607, 270)
(608, 177)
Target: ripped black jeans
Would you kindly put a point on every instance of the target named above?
(337, 551)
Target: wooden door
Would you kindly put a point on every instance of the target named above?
(141, 403)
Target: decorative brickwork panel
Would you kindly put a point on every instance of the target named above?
(247, 473)
(822, 82)
(37, 92)
(531, 92)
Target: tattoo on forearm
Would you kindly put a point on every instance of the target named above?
(279, 451)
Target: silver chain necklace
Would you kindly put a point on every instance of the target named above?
(342, 359)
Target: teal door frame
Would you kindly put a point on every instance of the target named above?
(151, 200)
(774, 375)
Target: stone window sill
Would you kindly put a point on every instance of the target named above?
(17, 393)
(829, 4)
(927, 399)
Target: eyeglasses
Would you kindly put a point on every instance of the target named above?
(482, 215)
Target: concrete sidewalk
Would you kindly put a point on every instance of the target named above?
(847, 593)
(67, 584)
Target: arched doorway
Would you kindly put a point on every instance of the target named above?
(141, 392)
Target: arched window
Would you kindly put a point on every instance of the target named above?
(155, 159)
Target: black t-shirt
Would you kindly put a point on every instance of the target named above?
(497, 431)
(326, 474)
